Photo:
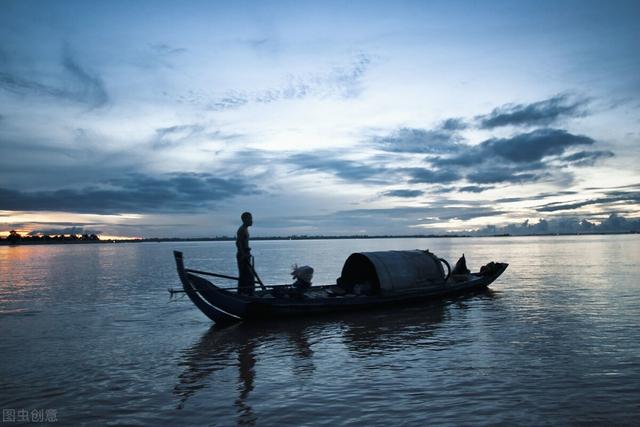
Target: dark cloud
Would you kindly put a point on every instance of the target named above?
(586, 158)
(533, 146)
(431, 176)
(609, 198)
(132, 193)
(78, 84)
(442, 189)
(521, 148)
(349, 170)
(475, 188)
(498, 175)
(631, 186)
(537, 196)
(540, 113)
(411, 140)
(521, 158)
(454, 124)
(403, 193)
(31, 160)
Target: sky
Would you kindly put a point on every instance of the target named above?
(170, 119)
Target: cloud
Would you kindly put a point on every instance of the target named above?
(610, 197)
(403, 193)
(475, 188)
(347, 81)
(520, 148)
(158, 55)
(167, 50)
(229, 102)
(537, 197)
(178, 134)
(521, 158)
(78, 84)
(182, 130)
(349, 170)
(586, 158)
(173, 135)
(615, 223)
(432, 214)
(343, 82)
(412, 140)
(397, 220)
(631, 186)
(89, 87)
(454, 124)
(533, 146)
(431, 176)
(133, 193)
(496, 175)
(524, 157)
(542, 113)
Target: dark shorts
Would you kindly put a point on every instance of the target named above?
(246, 284)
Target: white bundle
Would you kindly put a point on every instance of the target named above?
(303, 273)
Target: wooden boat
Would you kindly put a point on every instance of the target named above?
(368, 280)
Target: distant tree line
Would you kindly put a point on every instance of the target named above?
(16, 238)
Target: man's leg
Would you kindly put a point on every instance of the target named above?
(250, 284)
(246, 285)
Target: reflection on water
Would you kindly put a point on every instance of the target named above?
(216, 351)
(369, 334)
(223, 348)
(246, 363)
(89, 330)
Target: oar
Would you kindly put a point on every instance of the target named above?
(179, 291)
(206, 273)
(253, 270)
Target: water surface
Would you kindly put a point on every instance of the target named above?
(89, 331)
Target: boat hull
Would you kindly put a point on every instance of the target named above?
(224, 307)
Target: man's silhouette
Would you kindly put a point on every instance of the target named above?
(246, 283)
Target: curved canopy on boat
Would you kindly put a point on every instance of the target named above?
(389, 271)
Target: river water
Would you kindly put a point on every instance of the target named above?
(88, 335)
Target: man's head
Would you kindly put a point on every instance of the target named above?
(247, 219)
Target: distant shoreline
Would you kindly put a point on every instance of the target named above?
(5, 242)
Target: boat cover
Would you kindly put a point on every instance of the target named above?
(390, 271)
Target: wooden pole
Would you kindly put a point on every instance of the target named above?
(253, 270)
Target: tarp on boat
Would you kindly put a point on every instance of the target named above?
(389, 271)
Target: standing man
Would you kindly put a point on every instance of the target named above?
(246, 283)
